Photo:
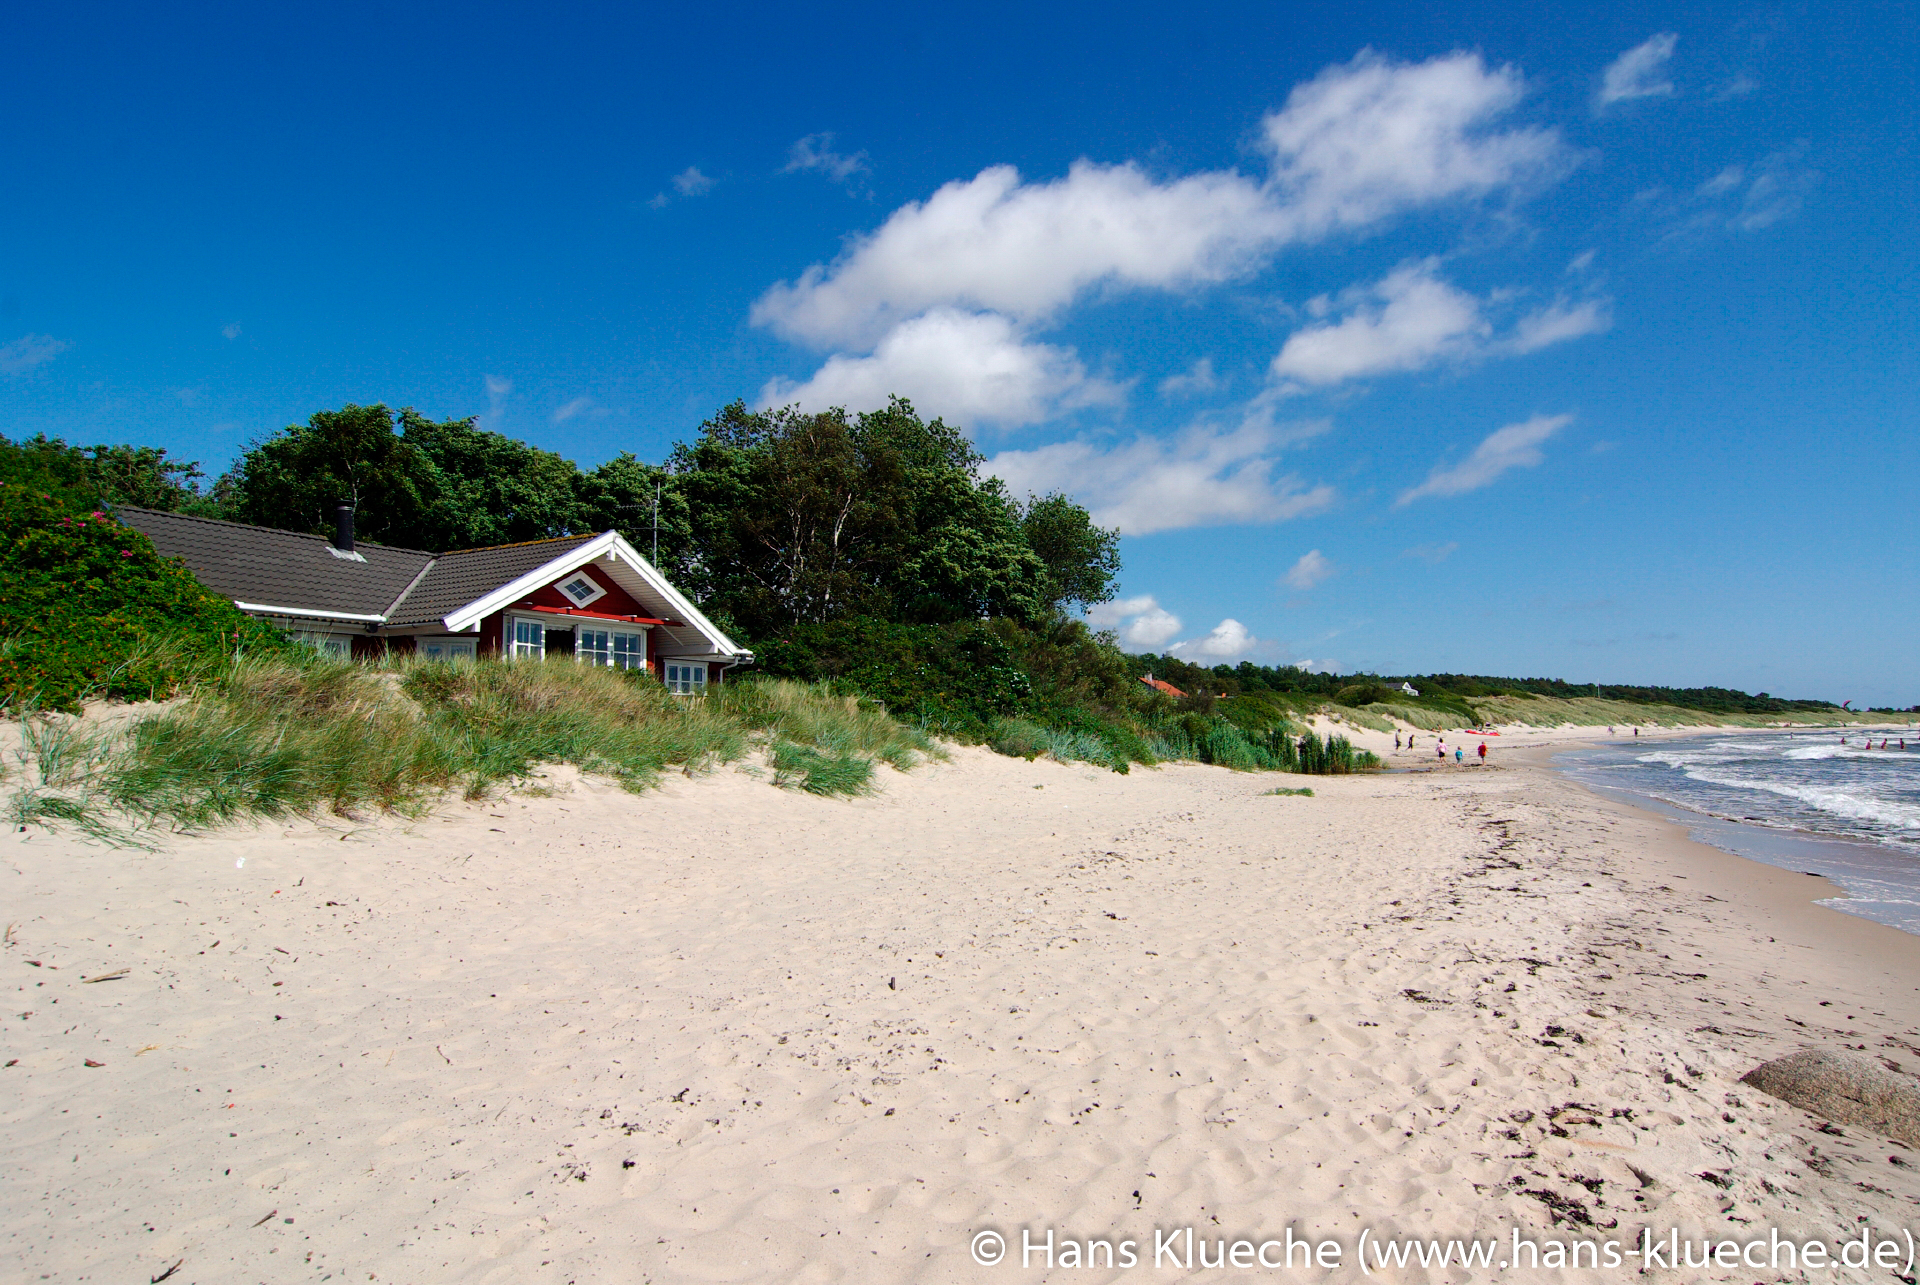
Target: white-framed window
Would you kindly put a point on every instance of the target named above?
(526, 639)
(686, 677)
(579, 589)
(618, 648)
(447, 648)
(629, 650)
(339, 646)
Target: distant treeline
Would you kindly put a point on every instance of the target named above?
(1446, 690)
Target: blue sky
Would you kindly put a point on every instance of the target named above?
(1500, 339)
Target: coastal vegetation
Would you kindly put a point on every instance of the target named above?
(304, 734)
(892, 594)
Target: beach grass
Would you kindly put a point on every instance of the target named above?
(279, 736)
(1305, 791)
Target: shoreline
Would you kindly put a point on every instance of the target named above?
(726, 1031)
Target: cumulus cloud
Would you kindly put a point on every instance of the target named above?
(231, 331)
(1371, 138)
(1228, 639)
(815, 153)
(1406, 321)
(1638, 73)
(1512, 447)
(1207, 475)
(1025, 249)
(1412, 319)
(972, 366)
(1312, 568)
(1141, 622)
(1360, 142)
(29, 352)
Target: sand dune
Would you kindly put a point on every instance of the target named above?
(726, 1032)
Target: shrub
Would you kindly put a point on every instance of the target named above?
(92, 610)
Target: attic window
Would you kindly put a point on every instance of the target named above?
(579, 590)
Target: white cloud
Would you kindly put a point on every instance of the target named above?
(1638, 73)
(1105, 615)
(1560, 321)
(1198, 378)
(1412, 319)
(992, 242)
(1204, 476)
(1371, 138)
(231, 331)
(688, 182)
(498, 390)
(1409, 320)
(1313, 568)
(815, 152)
(1229, 639)
(29, 352)
(1725, 181)
(1360, 142)
(1777, 191)
(971, 366)
(576, 408)
(1515, 446)
(1432, 554)
(1141, 622)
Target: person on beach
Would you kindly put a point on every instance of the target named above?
(1440, 750)
(1396, 740)
(1483, 751)
(1459, 755)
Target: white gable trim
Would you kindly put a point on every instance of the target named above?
(607, 542)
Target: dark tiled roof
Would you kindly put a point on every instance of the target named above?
(279, 568)
(457, 579)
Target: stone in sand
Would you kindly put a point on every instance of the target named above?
(1845, 1088)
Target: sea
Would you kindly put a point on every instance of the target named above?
(1802, 800)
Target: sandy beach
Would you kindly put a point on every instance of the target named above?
(726, 1032)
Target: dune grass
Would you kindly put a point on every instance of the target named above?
(1305, 791)
(292, 736)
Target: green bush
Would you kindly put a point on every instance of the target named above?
(92, 610)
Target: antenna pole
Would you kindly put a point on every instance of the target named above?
(656, 521)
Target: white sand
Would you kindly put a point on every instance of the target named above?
(726, 1032)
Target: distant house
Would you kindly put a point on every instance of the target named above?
(1409, 689)
(592, 597)
(1161, 685)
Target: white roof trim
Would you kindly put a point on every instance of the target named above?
(579, 556)
(305, 611)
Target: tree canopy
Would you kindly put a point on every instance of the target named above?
(88, 477)
(768, 518)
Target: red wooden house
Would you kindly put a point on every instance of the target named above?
(592, 597)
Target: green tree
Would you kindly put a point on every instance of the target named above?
(294, 479)
(484, 488)
(1082, 560)
(103, 476)
(808, 517)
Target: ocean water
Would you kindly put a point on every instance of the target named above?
(1800, 800)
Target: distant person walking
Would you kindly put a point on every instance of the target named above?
(1483, 751)
(1396, 740)
(1459, 755)
(1440, 751)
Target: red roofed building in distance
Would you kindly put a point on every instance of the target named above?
(1161, 685)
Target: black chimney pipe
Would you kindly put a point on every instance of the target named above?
(343, 527)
